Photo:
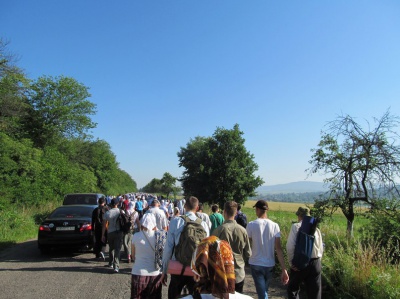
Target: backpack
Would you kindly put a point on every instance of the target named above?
(304, 242)
(193, 232)
(125, 222)
(241, 219)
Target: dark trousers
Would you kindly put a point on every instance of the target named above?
(177, 283)
(239, 287)
(98, 245)
(311, 276)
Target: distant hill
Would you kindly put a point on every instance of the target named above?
(295, 187)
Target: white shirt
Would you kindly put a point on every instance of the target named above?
(161, 219)
(144, 254)
(263, 233)
(205, 218)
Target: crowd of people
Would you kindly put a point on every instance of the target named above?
(159, 245)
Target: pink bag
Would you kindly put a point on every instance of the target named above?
(175, 267)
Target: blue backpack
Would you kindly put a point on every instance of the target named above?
(304, 242)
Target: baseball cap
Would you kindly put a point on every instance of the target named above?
(261, 204)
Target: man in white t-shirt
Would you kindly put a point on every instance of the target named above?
(265, 238)
(161, 218)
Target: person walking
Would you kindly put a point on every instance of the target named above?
(114, 235)
(203, 216)
(177, 225)
(216, 218)
(311, 275)
(241, 217)
(97, 228)
(146, 278)
(127, 236)
(238, 239)
(265, 239)
(214, 280)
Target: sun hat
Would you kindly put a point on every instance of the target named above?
(302, 211)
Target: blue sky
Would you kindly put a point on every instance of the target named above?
(164, 72)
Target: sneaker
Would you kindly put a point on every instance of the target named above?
(116, 270)
(102, 256)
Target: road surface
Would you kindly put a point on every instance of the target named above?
(25, 273)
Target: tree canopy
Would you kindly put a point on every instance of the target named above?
(362, 163)
(219, 168)
(46, 148)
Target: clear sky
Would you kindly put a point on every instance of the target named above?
(163, 72)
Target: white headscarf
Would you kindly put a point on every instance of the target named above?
(148, 221)
(131, 208)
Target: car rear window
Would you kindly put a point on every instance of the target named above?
(72, 212)
(80, 199)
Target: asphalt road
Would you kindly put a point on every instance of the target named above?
(25, 273)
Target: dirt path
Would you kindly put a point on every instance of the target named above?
(25, 273)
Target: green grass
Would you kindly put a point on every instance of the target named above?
(21, 224)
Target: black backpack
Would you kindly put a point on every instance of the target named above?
(304, 242)
(125, 222)
(241, 219)
(191, 235)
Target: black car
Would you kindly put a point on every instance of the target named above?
(67, 227)
(82, 198)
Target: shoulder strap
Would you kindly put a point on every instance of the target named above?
(144, 233)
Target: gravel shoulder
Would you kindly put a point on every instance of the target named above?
(25, 273)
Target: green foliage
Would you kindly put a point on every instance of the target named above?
(59, 109)
(354, 270)
(45, 148)
(361, 164)
(219, 168)
(384, 229)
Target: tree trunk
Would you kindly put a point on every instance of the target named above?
(349, 230)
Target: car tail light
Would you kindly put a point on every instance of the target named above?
(85, 227)
(44, 228)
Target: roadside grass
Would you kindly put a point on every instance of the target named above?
(21, 224)
(351, 268)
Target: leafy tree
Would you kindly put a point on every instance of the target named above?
(13, 87)
(219, 168)
(168, 184)
(362, 163)
(60, 109)
(154, 186)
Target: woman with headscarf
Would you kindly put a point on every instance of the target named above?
(127, 238)
(146, 278)
(214, 270)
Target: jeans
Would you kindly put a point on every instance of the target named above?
(261, 276)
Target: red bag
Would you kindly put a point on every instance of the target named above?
(175, 267)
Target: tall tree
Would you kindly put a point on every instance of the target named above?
(13, 87)
(363, 164)
(168, 183)
(154, 186)
(219, 168)
(60, 108)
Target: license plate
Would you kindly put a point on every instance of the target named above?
(66, 228)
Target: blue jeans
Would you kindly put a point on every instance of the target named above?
(261, 276)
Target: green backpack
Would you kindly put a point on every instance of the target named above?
(192, 233)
